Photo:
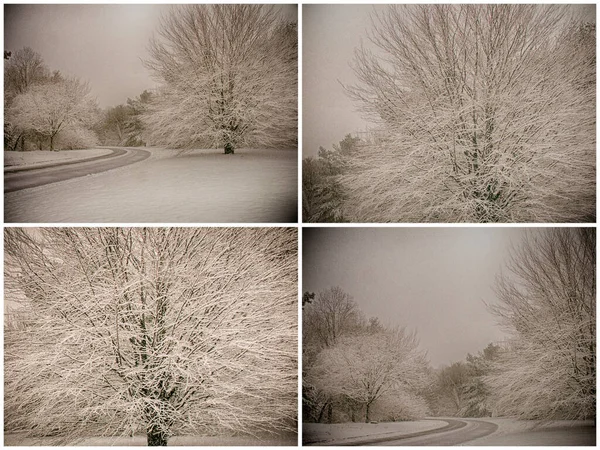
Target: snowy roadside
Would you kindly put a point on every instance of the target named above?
(39, 158)
(509, 426)
(253, 185)
(353, 433)
(289, 439)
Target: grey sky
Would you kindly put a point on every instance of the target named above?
(433, 280)
(103, 44)
(330, 35)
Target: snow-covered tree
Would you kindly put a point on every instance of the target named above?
(23, 69)
(329, 317)
(50, 107)
(548, 303)
(228, 76)
(366, 368)
(488, 113)
(153, 330)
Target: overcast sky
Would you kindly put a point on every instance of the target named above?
(330, 35)
(434, 280)
(103, 44)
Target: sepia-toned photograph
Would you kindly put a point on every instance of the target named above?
(449, 113)
(151, 113)
(151, 336)
(449, 336)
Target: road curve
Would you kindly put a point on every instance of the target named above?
(15, 181)
(456, 432)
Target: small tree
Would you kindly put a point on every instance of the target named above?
(157, 330)
(228, 75)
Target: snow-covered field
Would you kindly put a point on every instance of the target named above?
(38, 157)
(320, 432)
(199, 186)
(522, 432)
(289, 439)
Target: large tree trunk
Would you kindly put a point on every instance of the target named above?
(156, 437)
(367, 413)
(229, 149)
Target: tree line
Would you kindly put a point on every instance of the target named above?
(356, 369)
(227, 77)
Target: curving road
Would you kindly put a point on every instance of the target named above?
(23, 179)
(456, 432)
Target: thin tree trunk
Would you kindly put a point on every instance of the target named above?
(367, 413)
(229, 149)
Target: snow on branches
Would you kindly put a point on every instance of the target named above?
(366, 368)
(152, 330)
(548, 303)
(488, 113)
(228, 75)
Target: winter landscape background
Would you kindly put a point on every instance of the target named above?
(174, 85)
(490, 332)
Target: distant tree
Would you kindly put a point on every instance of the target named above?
(322, 195)
(116, 120)
(153, 330)
(450, 389)
(48, 108)
(23, 69)
(307, 297)
(228, 75)
(368, 368)
(547, 301)
(329, 317)
(488, 113)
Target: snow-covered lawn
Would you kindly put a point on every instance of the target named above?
(199, 186)
(288, 439)
(331, 433)
(38, 157)
(523, 432)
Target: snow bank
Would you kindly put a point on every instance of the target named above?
(343, 433)
(39, 157)
(201, 186)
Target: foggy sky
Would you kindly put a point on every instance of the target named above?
(103, 44)
(434, 280)
(330, 34)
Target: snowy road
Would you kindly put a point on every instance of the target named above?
(456, 432)
(23, 179)
(478, 432)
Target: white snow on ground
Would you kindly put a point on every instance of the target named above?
(37, 157)
(289, 439)
(198, 186)
(320, 432)
(523, 432)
